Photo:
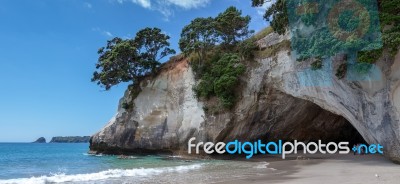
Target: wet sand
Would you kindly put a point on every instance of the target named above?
(326, 169)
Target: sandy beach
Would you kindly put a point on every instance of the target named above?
(327, 169)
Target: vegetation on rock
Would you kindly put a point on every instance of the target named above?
(129, 60)
(389, 17)
(276, 14)
(231, 26)
(316, 64)
(221, 80)
(216, 47)
(199, 37)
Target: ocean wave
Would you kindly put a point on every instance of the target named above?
(103, 175)
(94, 155)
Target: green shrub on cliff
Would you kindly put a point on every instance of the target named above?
(215, 48)
(317, 64)
(221, 80)
(246, 48)
(389, 16)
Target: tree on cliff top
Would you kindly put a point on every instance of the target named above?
(232, 26)
(198, 37)
(202, 34)
(389, 15)
(129, 60)
(152, 45)
(276, 14)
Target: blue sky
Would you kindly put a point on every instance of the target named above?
(48, 52)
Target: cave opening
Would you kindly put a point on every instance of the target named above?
(316, 124)
(279, 116)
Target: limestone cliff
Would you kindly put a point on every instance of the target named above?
(274, 104)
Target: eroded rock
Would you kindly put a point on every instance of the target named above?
(273, 105)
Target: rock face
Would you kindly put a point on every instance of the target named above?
(40, 140)
(165, 115)
(273, 104)
(70, 139)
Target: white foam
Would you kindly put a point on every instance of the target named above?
(175, 156)
(262, 165)
(103, 175)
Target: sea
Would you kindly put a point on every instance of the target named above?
(35, 163)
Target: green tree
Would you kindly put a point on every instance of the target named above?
(215, 47)
(232, 26)
(389, 16)
(198, 37)
(152, 45)
(118, 62)
(129, 60)
(390, 21)
(276, 14)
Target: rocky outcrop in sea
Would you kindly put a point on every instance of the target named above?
(40, 140)
(70, 139)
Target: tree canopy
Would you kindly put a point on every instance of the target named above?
(152, 44)
(232, 26)
(389, 17)
(276, 14)
(130, 59)
(202, 34)
(199, 36)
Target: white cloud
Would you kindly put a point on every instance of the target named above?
(107, 33)
(261, 10)
(143, 3)
(166, 11)
(96, 29)
(127, 36)
(103, 32)
(166, 7)
(189, 4)
(88, 5)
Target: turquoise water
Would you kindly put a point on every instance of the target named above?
(70, 163)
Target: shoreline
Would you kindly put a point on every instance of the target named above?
(310, 169)
(232, 169)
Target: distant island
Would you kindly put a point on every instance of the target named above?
(40, 140)
(70, 139)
